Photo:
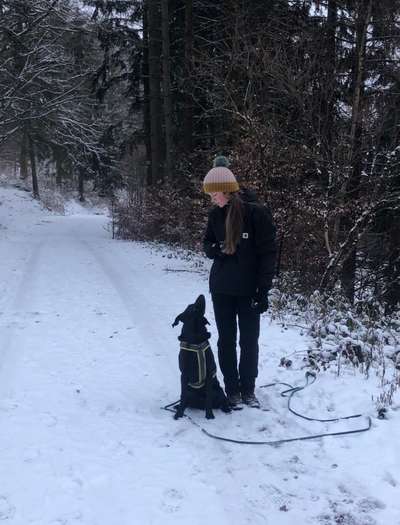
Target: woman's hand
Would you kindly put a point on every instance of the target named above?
(260, 301)
(218, 251)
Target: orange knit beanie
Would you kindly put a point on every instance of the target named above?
(220, 178)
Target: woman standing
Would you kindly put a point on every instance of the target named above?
(240, 238)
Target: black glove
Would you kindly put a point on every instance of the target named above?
(260, 300)
(217, 252)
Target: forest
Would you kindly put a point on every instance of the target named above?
(133, 99)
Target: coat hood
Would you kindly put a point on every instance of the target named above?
(248, 195)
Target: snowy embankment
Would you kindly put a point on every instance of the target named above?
(88, 357)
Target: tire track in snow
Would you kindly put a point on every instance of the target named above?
(9, 354)
(139, 311)
(144, 326)
(140, 319)
(229, 490)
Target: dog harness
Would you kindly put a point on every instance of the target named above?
(200, 351)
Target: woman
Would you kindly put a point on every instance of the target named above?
(240, 238)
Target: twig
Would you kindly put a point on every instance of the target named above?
(178, 270)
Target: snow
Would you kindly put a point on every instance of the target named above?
(87, 358)
(73, 207)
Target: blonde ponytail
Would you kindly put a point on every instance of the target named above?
(233, 224)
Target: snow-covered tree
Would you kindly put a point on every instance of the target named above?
(45, 82)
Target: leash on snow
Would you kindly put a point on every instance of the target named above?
(289, 393)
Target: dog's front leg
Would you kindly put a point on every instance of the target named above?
(184, 395)
(225, 407)
(209, 397)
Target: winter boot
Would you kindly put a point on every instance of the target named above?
(235, 401)
(250, 400)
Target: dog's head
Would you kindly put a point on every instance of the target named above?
(194, 323)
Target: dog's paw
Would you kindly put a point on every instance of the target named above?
(209, 414)
(226, 409)
(178, 415)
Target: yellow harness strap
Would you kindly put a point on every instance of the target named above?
(200, 350)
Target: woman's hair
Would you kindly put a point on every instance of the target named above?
(233, 223)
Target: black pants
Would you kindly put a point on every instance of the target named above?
(230, 311)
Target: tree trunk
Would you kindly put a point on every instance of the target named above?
(81, 185)
(59, 167)
(35, 185)
(348, 273)
(166, 61)
(328, 100)
(188, 50)
(327, 112)
(23, 157)
(392, 276)
(154, 88)
(146, 90)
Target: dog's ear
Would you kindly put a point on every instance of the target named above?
(182, 317)
(177, 320)
(200, 304)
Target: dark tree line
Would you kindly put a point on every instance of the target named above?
(304, 98)
(302, 95)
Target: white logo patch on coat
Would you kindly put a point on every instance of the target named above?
(245, 235)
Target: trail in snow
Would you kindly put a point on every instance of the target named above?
(88, 357)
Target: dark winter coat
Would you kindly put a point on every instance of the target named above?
(251, 268)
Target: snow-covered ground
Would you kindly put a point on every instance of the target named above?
(87, 358)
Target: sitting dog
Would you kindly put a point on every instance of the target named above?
(199, 384)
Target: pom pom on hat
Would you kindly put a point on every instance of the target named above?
(221, 161)
(220, 178)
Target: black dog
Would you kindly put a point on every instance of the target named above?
(199, 385)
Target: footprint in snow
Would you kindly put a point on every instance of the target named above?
(175, 498)
(7, 510)
(390, 479)
(31, 455)
(110, 410)
(370, 504)
(49, 420)
(343, 518)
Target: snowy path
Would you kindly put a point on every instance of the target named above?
(88, 356)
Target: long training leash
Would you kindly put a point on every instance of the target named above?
(289, 393)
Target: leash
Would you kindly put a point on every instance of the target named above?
(289, 393)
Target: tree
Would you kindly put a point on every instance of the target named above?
(167, 97)
(120, 83)
(154, 41)
(46, 101)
